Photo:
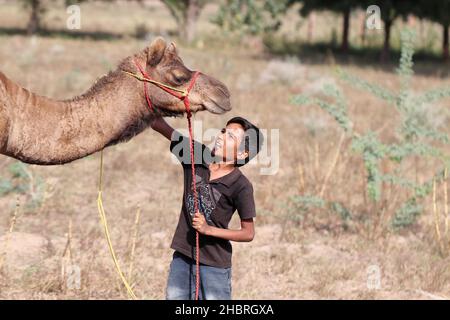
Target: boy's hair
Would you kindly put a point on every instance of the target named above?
(252, 142)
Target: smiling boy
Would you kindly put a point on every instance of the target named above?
(222, 189)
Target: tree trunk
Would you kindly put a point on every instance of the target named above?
(445, 53)
(191, 15)
(387, 36)
(362, 31)
(311, 25)
(345, 32)
(35, 21)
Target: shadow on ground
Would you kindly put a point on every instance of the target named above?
(74, 34)
(426, 63)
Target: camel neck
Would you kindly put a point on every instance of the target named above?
(72, 128)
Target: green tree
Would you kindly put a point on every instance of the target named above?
(250, 16)
(186, 14)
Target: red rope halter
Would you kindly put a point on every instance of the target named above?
(184, 96)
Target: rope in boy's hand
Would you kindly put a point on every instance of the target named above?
(199, 223)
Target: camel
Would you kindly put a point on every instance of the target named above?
(38, 130)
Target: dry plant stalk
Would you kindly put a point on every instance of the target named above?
(31, 183)
(447, 240)
(67, 255)
(49, 191)
(8, 235)
(316, 160)
(437, 220)
(386, 199)
(333, 165)
(133, 244)
(301, 178)
(364, 185)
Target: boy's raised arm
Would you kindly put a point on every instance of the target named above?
(160, 125)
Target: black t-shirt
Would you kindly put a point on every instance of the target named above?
(218, 200)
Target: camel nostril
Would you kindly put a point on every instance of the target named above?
(224, 91)
(222, 97)
(218, 86)
(216, 95)
(222, 102)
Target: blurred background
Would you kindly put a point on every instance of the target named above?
(356, 208)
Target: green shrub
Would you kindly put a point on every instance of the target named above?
(20, 180)
(416, 134)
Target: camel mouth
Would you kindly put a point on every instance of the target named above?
(175, 114)
(216, 108)
(171, 113)
(209, 105)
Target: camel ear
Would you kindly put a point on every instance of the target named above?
(172, 49)
(155, 51)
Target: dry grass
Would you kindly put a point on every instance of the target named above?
(315, 259)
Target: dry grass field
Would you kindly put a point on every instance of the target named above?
(310, 258)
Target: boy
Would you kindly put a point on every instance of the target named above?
(221, 189)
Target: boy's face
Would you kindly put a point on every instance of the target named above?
(227, 143)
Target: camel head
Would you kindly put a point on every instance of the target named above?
(163, 64)
(40, 130)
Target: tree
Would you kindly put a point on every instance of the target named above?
(438, 11)
(37, 9)
(391, 10)
(250, 16)
(343, 7)
(186, 14)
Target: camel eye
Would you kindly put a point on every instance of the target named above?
(179, 78)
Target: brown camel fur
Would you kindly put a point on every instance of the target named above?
(38, 130)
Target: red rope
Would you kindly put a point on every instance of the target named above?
(185, 99)
(144, 74)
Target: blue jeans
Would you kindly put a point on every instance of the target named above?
(215, 283)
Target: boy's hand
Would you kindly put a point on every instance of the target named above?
(160, 125)
(155, 121)
(199, 223)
